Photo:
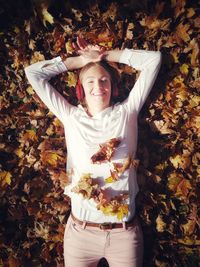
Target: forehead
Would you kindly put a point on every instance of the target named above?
(95, 71)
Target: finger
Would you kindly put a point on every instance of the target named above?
(85, 43)
(75, 46)
(81, 42)
(81, 52)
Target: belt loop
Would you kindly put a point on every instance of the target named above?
(84, 224)
(124, 225)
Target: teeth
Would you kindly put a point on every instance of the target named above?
(98, 94)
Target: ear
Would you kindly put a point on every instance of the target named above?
(79, 90)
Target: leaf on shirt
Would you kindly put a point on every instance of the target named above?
(86, 186)
(106, 151)
(114, 207)
(120, 168)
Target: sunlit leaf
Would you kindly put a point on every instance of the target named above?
(5, 178)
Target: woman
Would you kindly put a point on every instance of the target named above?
(101, 143)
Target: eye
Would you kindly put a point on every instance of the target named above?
(90, 81)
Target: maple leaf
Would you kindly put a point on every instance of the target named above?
(179, 7)
(160, 224)
(113, 178)
(184, 69)
(41, 230)
(71, 79)
(86, 186)
(115, 209)
(47, 17)
(106, 151)
(59, 176)
(69, 47)
(179, 185)
(29, 135)
(51, 157)
(120, 168)
(181, 161)
(5, 178)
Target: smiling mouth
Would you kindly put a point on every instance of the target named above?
(98, 94)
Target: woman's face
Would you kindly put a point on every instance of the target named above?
(97, 86)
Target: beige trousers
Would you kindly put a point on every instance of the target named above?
(84, 247)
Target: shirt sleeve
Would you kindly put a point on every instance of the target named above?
(148, 63)
(38, 75)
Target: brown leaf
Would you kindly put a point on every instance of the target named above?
(106, 151)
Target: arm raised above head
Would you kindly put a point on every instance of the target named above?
(148, 63)
(38, 75)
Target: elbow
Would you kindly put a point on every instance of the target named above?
(27, 71)
(159, 57)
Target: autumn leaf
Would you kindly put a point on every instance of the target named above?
(160, 224)
(111, 179)
(106, 151)
(86, 186)
(181, 161)
(69, 47)
(115, 207)
(52, 158)
(71, 79)
(179, 185)
(47, 17)
(5, 178)
(184, 69)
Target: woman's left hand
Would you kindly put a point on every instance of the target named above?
(89, 53)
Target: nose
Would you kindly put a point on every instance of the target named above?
(98, 85)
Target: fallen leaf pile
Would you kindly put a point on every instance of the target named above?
(33, 208)
(90, 189)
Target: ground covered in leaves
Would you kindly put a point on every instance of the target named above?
(33, 209)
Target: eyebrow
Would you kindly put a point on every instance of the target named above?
(104, 76)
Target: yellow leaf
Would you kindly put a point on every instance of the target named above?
(194, 101)
(47, 17)
(160, 224)
(109, 180)
(57, 122)
(69, 47)
(189, 241)
(184, 69)
(52, 158)
(181, 161)
(30, 90)
(122, 211)
(106, 44)
(5, 178)
(71, 79)
(19, 152)
(50, 130)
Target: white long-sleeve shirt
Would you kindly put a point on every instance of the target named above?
(84, 133)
